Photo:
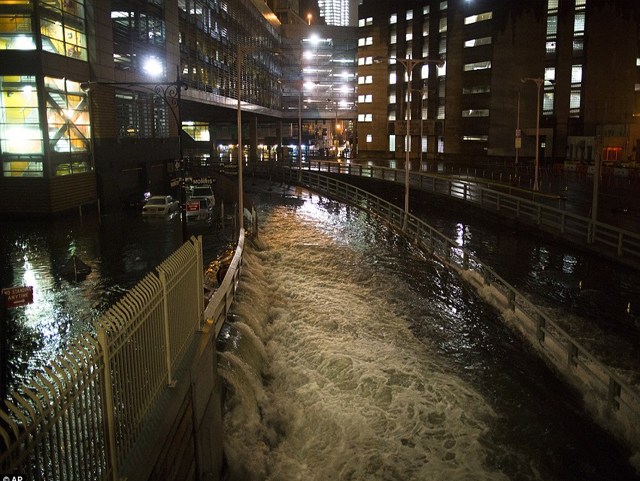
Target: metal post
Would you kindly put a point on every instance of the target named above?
(300, 132)
(107, 405)
(240, 188)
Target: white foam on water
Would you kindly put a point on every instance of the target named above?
(349, 392)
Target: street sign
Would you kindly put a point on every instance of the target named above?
(18, 296)
(193, 206)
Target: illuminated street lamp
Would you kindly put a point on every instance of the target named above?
(409, 64)
(171, 94)
(309, 17)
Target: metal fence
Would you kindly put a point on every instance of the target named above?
(81, 416)
(607, 394)
(540, 210)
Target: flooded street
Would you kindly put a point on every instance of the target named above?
(120, 248)
(352, 355)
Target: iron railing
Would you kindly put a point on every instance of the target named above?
(80, 418)
(604, 391)
(533, 208)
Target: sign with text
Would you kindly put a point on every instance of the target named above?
(18, 296)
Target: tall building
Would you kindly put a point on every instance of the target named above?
(89, 104)
(319, 86)
(336, 12)
(580, 58)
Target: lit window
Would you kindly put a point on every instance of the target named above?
(551, 47)
(578, 24)
(552, 26)
(392, 143)
(361, 22)
(369, 138)
(68, 127)
(392, 98)
(443, 25)
(409, 15)
(574, 101)
(476, 138)
(425, 29)
(361, 42)
(369, 21)
(475, 113)
(424, 71)
(392, 78)
(481, 17)
(425, 10)
(550, 73)
(63, 29)
(368, 61)
(547, 103)
(361, 61)
(368, 79)
(21, 141)
(369, 41)
(443, 5)
(392, 116)
(393, 18)
(409, 34)
(576, 74)
(477, 89)
(476, 42)
(477, 66)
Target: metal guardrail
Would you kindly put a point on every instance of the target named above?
(605, 391)
(80, 418)
(543, 211)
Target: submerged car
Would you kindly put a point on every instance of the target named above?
(160, 205)
(199, 208)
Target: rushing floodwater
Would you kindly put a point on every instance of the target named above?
(352, 356)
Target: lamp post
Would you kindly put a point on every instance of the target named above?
(409, 64)
(538, 82)
(171, 94)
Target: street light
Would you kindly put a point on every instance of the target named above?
(242, 50)
(539, 82)
(171, 94)
(409, 64)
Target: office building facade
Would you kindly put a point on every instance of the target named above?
(580, 58)
(89, 101)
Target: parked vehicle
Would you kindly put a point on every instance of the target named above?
(199, 208)
(202, 191)
(160, 205)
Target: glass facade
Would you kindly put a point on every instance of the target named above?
(63, 29)
(68, 127)
(21, 139)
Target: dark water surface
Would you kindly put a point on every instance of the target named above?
(354, 356)
(121, 248)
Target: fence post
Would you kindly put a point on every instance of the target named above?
(540, 325)
(197, 244)
(511, 298)
(165, 317)
(107, 404)
(614, 392)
